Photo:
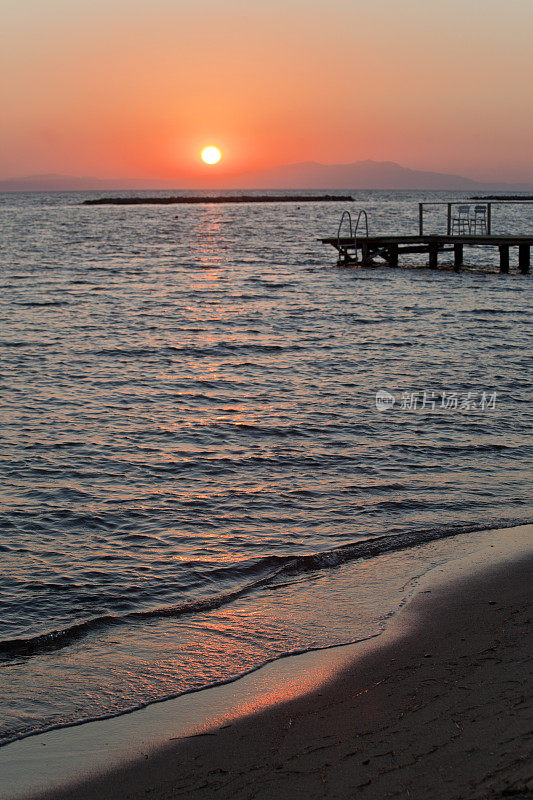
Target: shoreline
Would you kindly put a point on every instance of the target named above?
(292, 685)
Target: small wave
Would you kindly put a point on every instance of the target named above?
(486, 311)
(43, 303)
(223, 348)
(266, 570)
(26, 344)
(463, 449)
(54, 640)
(354, 317)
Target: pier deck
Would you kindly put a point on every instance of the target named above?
(361, 250)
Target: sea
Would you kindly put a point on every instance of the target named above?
(218, 447)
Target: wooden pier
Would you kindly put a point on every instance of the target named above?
(361, 249)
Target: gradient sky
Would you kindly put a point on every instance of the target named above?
(135, 88)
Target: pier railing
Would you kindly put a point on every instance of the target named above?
(450, 206)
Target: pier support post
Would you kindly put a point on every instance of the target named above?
(524, 257)
(433, 256)
(341, 261)
(504, 258)
(365, 255)
(393, 255)
(458, 256)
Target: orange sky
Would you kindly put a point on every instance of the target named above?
(131, 88)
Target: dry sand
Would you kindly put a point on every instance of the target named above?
(437, 707)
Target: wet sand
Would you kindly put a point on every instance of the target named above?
(437, 707)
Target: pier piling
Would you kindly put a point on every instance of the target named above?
(458, 256)
(504, 258)
(433, 256)
(524, 258)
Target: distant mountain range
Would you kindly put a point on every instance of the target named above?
(69, 183)
(306, 175)
(360, 175)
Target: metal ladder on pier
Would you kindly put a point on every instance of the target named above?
(345, 256)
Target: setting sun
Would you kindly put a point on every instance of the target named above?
(211, 155)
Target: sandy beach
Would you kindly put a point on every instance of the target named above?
(438, 706)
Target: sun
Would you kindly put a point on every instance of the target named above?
(211, 155)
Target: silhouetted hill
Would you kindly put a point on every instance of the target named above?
(69, 183)
(306, 175)
(358, 175)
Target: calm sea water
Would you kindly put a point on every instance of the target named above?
(189, 423)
